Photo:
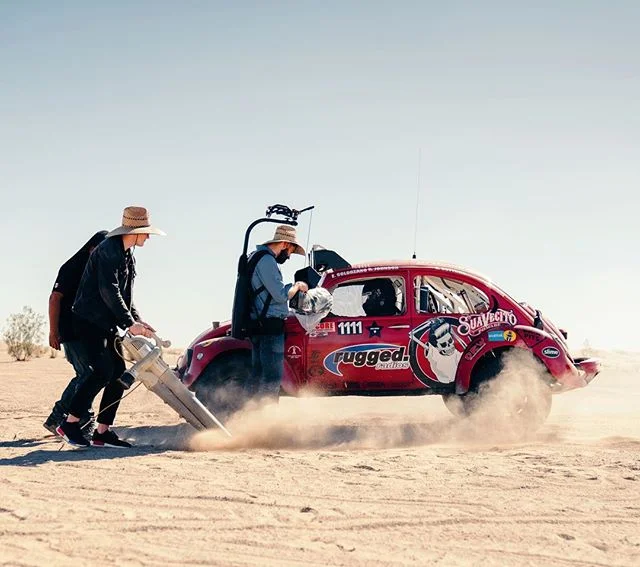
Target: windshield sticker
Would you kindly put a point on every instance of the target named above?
(473, 325)
(364, 270)
(379, 357)
(551, 352)
(435, 350)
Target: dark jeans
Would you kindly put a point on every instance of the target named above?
(267, 361)
(76, 355)
(106, 366)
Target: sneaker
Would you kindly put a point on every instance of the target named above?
(51, 425)
(108, 439)
(72, 434)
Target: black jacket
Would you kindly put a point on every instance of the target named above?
(104, 295)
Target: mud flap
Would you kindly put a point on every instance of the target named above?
(156, 375)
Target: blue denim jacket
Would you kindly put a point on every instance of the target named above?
(267, 274)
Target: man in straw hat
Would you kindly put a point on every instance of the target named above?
(270, 309)
(102, 305)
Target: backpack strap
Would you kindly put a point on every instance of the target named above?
(251, 267)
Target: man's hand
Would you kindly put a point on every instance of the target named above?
(303, 287)
(147, 326)
(54, 340)
(141, 329)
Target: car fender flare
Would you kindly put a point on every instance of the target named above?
(207, 351)
(478, 349)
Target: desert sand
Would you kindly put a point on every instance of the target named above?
(324, 481)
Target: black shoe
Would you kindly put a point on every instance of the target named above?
(72, 434)
(108, 439)
(51, 425)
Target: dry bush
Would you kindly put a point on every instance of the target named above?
(23, 334)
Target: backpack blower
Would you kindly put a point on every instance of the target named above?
(243, 297)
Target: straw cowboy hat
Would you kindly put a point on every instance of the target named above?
(286, 233)
(135, 220)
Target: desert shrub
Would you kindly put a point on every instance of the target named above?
(23, 334)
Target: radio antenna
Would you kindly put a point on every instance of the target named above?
(309, 238)
(415, 234)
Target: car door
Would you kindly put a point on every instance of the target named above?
(438, 338)
(362, 345)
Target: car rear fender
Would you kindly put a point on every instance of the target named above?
(206, 352)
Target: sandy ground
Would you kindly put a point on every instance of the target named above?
(341, 481)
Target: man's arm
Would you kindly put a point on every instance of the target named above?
(54, 319)
(271, 278)
(107, 268)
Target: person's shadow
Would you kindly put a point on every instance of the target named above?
(147, 440)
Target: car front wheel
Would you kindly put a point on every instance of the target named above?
(222, 386)
(508, 386)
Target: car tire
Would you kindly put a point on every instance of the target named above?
(222, 386)
(526, 406)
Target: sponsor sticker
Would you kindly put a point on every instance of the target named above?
(294, 351)
(550, 352)
(379, 357)
(323, 329)
(508, 336)
(474, 349)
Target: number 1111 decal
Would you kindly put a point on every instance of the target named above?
(350, 328)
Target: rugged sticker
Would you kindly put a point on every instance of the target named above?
(473, 325)
(379, 357)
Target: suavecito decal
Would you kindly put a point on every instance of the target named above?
(473, 325)
(378, 356)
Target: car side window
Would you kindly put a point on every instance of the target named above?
(445, 295)
(372, 297)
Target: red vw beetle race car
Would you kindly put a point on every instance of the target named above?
(397, 328)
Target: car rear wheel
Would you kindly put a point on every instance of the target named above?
(222, 386)
(508, 385)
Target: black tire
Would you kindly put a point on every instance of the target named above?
(222, 386)
(526, 404)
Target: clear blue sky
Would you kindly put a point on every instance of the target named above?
(527, 115)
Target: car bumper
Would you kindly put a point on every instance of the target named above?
(583, 372)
